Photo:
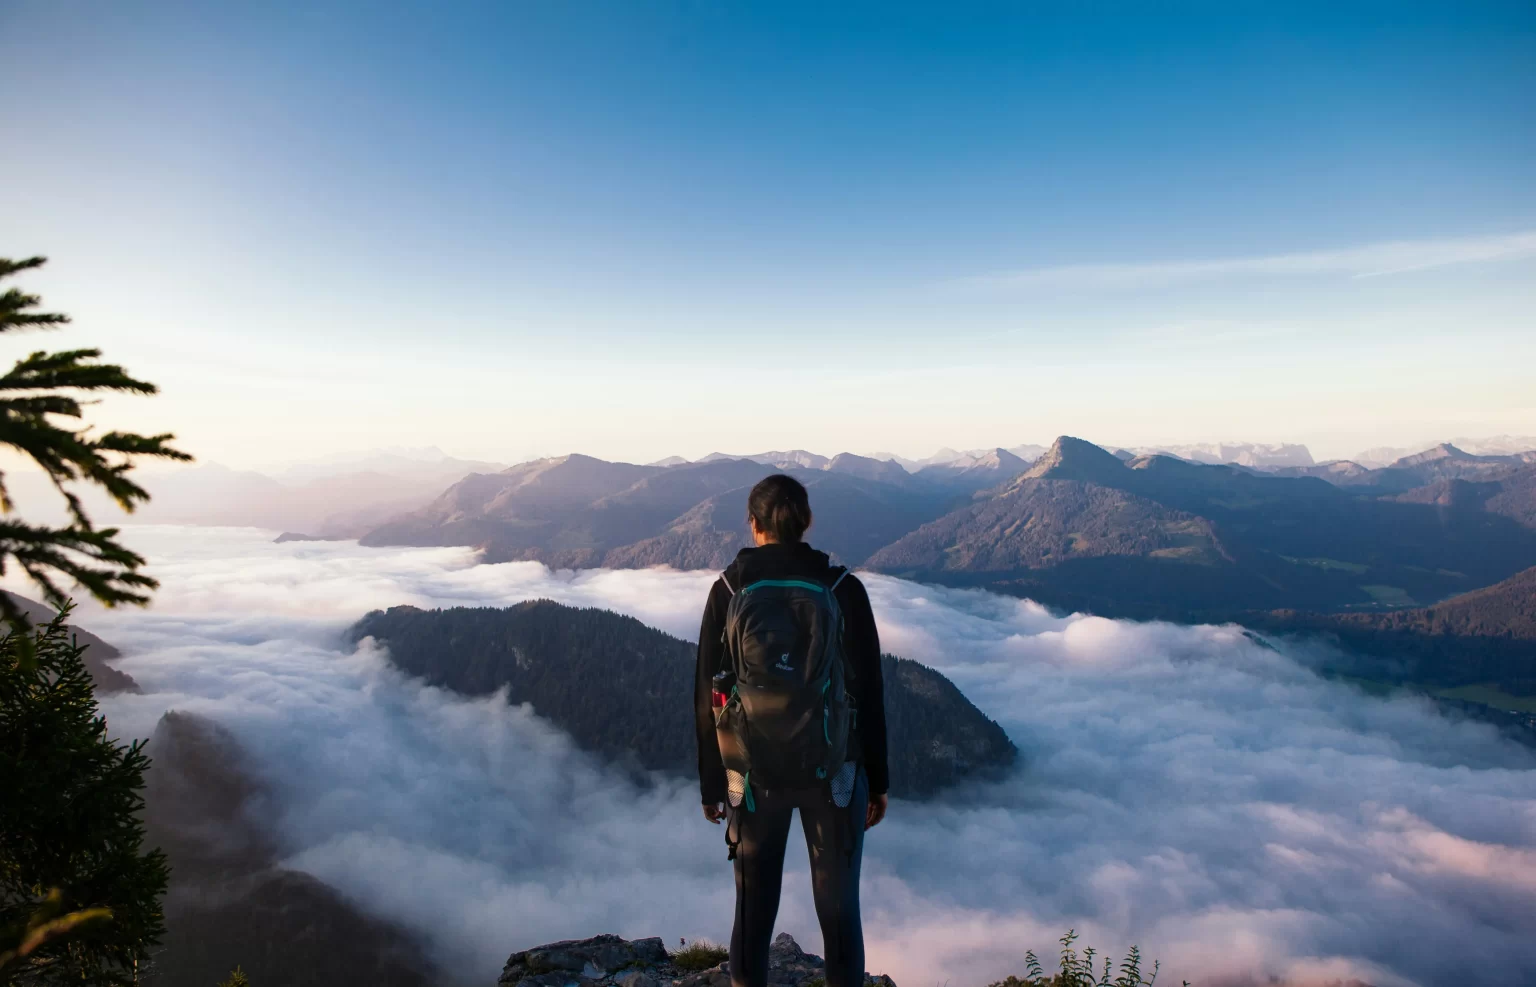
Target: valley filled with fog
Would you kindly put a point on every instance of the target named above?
(1195, 790)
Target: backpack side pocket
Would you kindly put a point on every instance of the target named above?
(731, 735)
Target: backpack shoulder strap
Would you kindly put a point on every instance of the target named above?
(725, 577)
(840, 577)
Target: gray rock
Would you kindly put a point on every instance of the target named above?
(634, 978)
(716, 976)
(581, 959)
(609, 961)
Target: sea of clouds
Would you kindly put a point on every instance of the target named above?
(1189, 789)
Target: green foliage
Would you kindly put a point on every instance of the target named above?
(1077, 969)
(701, 954)
(42, 401)
(71, 841)
(237, 978)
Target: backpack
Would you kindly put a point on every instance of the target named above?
(787, 719)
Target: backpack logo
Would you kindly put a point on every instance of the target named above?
(783, 664)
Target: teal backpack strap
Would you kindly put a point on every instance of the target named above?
(840, 577)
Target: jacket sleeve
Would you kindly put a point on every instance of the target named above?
(711, 768)
(863, 643)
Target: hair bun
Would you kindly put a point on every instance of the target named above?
(780, 507)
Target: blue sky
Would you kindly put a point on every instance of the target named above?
(634, 229)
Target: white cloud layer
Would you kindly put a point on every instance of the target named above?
(1181, 788)
(1367, 261)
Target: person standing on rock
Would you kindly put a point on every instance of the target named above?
(790, 713)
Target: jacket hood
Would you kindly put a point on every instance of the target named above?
(774, 561)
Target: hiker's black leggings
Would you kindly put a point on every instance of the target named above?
(835, 838)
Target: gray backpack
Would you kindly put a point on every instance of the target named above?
(786, 719)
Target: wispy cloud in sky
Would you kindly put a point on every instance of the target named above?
(1366, 261)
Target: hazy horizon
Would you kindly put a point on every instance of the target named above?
(341, 458)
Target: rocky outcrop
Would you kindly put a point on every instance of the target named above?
(289, 536)
(609, 961)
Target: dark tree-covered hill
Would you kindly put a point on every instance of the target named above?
(625, 690)
(1486, 636)
(97, 652)
(230, 903)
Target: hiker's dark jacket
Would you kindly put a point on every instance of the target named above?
(861, 646)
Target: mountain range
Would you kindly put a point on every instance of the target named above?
(1079, 527)
(1254, 455)
(577, 511)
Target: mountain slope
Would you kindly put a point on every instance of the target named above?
(882, 470)
(1254, 455)
(974, 471)
(230, 902)
(522, 512)
(97, 652)
(707, 537)
(624, 690)
(1439, 464)
(1083, 528)
(1511, 495)
(783, 459)
(686, 516)
(1485, 636)
(1042, 522)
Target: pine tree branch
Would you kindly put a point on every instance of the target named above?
(14, 303)
(64, 369)
(36, 394)
(93, 559)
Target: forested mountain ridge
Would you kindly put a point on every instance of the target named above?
(1487, 636)
(625, 690)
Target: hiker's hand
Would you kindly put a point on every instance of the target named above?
(876, 810)
(714, 812)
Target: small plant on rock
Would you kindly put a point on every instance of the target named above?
(1078, 969)
(701, 954)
